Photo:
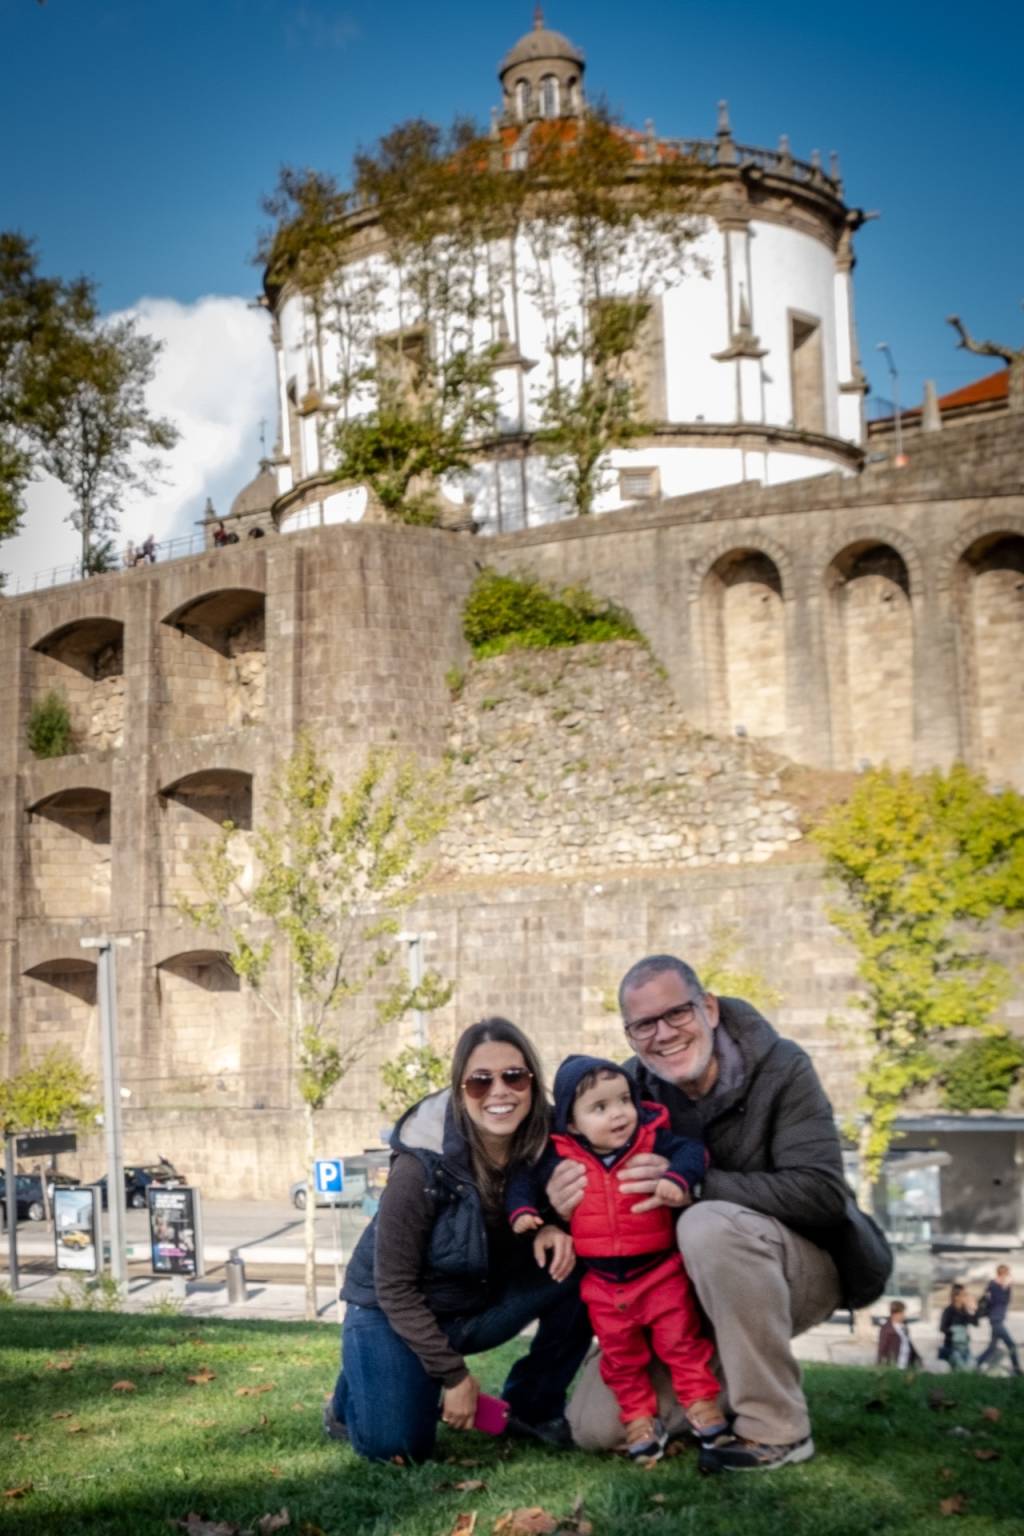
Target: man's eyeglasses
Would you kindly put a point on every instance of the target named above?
(478, 1084)
(642, 1030)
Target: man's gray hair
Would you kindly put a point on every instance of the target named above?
(644, 971)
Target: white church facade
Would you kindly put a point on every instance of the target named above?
(749, 369)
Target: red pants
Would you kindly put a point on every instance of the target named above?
(660, 1304)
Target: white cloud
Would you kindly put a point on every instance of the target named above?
(215, 380)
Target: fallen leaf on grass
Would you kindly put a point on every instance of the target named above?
(207, 1424)
(123, 1386)
(19, 1492)
(201, 1377)
(22, 1437)
(945, 1473)
(575, 1522)
(197, 1526)
(468, 1485)
(937, 1400)
(63, 1413)
(276, 1472)
(60, 1365)
(986, 1455)
(156, 1370)
(465, 1524)
(298, 1407)
(264, 1386)
(261, 1423)
(956, 1504)
(992, 1414)
(75, 1429)
(534, 1521)
(267, 1523)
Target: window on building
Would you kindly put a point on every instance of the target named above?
(522, 100)
(549, 96)
(638, 484)
(402, 360)
(807, 371)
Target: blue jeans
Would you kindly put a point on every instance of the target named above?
(1000, 1334)
(390, 1405)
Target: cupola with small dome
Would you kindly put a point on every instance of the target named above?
(541, 76)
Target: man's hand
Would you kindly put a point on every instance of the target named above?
(640, 1175)
(667, 1192)
(458, 1404)
(558, 1244)
(526, 1223)
(566, 1186)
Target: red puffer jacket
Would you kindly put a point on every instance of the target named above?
(603, 1225)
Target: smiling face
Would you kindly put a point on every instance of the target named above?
(501, 1110)
(605, 1113)
(681, 1047)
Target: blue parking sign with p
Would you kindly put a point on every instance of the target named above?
(329, 1175)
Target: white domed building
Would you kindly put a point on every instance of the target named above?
(749, 367)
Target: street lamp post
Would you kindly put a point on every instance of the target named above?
(901, 458)
(107, 990)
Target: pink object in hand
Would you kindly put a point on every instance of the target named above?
(491, 1414)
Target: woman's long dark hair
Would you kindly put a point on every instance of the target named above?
(529, 1140)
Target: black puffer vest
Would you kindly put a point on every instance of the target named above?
(455, 1272)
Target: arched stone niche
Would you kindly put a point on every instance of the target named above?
(870, 636)
(191, 812)
(989, 600)
(68, 847)
(745, 645)
(57, 1007)
(196, 1057)
(213, 663)
(84, 661)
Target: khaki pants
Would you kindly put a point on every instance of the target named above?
(760, 1284)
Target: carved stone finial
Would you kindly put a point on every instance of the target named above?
(538, 17)
(494, 123)
(931, 416)
(725, 151)
(723, 117)
(1014, 359)
(651, 137)
(785, 154)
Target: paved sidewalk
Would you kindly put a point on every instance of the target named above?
(831, 1342)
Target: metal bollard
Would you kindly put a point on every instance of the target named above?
(235, 1271)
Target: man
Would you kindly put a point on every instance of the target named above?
(995, 1303)
(772, 1242)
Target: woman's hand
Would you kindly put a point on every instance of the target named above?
(458, 1404)
(640, 1176)
(559, 1244)
(667, 1192)
(566, 1185)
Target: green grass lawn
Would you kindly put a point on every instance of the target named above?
(243, 1440)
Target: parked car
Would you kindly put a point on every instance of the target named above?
(28, 1193)
(137, 1179)
(362, 1173)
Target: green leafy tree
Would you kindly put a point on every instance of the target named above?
(410, 1076)
(924, 864)
(57, 1091)
(314, 930)
(98, 437)
(38, 315)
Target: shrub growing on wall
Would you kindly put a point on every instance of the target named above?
(982, 1074)
(505, 613)
(49, 726)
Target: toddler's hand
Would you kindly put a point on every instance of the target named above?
(559, 1244)
(666, 1192)
(526, 1223)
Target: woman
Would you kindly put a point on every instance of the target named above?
(438, 1275)
(956, 1318)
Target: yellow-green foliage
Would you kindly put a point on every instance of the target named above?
(334, 871)
(505, 613)
(414, 1072)
(923, 863)
(54, 1092)
(982, 1074)
(720, 974)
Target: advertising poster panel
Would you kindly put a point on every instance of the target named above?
(175, 1236)
(75, 1225)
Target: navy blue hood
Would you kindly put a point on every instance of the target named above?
(568, 1078)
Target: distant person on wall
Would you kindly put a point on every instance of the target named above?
(771, 1239)
(958, 1316)
(634, 1283)
(994, 1305)
(147, 550)
(895, 1346)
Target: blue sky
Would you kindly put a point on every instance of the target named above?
(140, 135)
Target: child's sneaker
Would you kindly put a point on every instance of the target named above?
(705, 1419)
(646, 1439)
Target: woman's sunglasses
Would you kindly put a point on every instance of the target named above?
(478, 1084)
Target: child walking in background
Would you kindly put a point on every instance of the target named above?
(894, 1342)
(957, 1317)
(635, 1287)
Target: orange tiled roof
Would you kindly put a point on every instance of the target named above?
(994, 386)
